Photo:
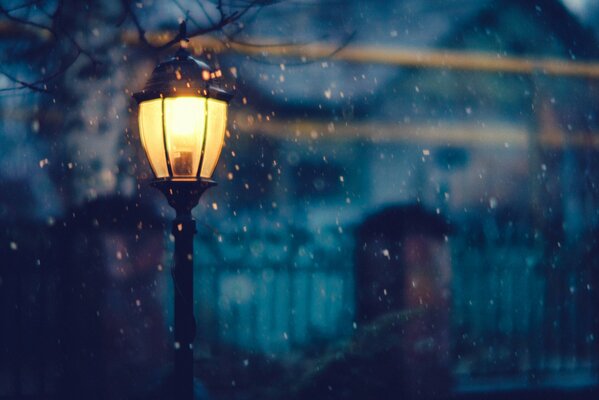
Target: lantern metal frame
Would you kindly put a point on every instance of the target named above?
(182, 75)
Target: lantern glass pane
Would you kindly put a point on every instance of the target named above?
(150, 132)
(217, 122)
(185, 124)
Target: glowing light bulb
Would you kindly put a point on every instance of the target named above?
(185, 124)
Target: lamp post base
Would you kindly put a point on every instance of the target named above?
(183, 196)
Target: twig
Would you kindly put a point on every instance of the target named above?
(35, 85)
(305, 61)
(58, 32)
(23, 84)
(24, 5)
(224, 20)
(7, 14)
(208, 17)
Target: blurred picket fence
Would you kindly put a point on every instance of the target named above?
(273, 287)
(522, 313)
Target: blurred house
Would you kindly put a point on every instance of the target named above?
(316, 145)
(504, 154)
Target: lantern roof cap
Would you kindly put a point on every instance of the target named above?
(183, 75)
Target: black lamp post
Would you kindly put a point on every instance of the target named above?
(182, 122)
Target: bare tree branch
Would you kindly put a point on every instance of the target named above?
(74, 43)
(228, 18)
(43, 81)
(225, 19)
(22, 84)
(304, 60)
(140, 30)
(7, 14)
(24, 5)
(208, 17)
(188, 17)
(57, 32)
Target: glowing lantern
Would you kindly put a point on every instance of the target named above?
(182, 118)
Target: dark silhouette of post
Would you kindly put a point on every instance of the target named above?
(183, 196)
(184, 228)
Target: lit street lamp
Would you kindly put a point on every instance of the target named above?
(182, 121)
